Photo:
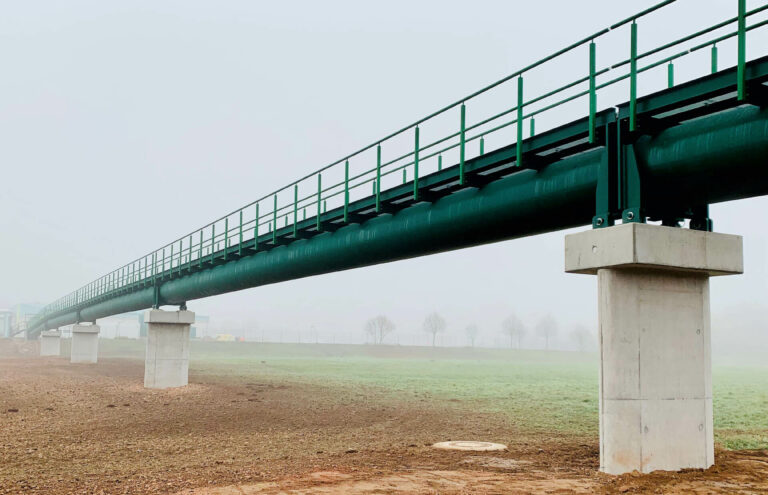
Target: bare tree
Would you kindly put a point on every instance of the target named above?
(434, 324)
(472, 332)
(378, 328)
(546, 328)
(514, 328)
(581, 337)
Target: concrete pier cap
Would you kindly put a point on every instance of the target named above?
(166, 363)
(85, 343)
(655, 348)
(50, 343)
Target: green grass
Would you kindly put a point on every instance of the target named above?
(534, 390)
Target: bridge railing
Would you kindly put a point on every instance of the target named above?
(447, 136)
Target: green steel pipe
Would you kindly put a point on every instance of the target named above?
(709, 160)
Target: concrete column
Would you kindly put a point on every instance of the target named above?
(166, 363)
(50, 343)
(85, 343)
(655, 349)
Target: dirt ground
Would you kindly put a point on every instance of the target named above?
(94, 429)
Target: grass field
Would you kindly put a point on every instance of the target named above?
(535, 391)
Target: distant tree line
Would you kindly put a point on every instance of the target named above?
(546, 329)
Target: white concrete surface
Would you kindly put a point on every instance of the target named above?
(655, 370)
(50, 343)
(166, 363)
(469, 445)
(85, 344)
(653, 246)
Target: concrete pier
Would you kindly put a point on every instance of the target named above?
(655, 349)
(50, 343)
(166, 362)
(85, 343)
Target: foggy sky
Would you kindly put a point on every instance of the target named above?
(124, 125)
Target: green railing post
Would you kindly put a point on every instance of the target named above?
(533, 126)
(482, 144)
(240, 241)
(405, 176)
(714, 58)
(592, 92)
(378, 178)
(213, 241)
(170, 263)
(519, 122)
(741, 71)
(256, 229)
(415, 164)
(226, 236)
(439, 162)
(200, 250)
(274, 222)
(670, 75)
(633, 77)
(162, 267)
(462, 141)
(346, 191)
(295, 207)
(319, 199)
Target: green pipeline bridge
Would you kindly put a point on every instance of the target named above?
(465, 176)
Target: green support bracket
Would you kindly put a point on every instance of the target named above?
(630, 186)
(606, 190)
(156, 297)
(700, 219)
